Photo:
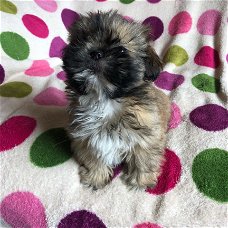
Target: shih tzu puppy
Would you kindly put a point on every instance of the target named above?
(115, 114)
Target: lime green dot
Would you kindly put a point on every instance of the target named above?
(15, 89)
(7, 7)
(210, 173)
(176, 55)
(51, 148)
(127, 1)
(206, 83)
(14, 45)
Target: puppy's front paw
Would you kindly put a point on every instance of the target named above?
(96, 179)
(141, 179)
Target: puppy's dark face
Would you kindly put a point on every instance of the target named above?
(108, 55)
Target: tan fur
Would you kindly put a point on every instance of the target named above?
(142, 165)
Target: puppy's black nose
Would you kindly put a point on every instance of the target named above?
(96, 55)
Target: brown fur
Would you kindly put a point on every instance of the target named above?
(115, 114)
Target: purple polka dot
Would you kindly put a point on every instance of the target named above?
(153, 1)
(210, 117)
(68, 17)
(209, 22)
(156, 27)
(2, 74)
(227, 58)
(82, 219)
(56, 47)
(117, 170)
(169, 81)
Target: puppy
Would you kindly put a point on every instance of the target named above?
(115, 114)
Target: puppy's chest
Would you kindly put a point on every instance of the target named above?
(106, 132)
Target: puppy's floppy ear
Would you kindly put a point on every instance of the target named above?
(153, 65)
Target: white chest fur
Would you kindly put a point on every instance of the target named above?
(100, 123)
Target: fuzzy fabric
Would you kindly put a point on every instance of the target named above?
(40, 185)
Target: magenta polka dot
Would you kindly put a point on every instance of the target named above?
(147, 225)
(15, 131)
(156, 27)
(169, 81)
(35, 25)
(209, 22)
(227, 58)
(56, 47)
(82, 219)
(48, 5)
(207, 56)
(69, 17)
(170, 174)
(176, 117)
(40, 68)
(61, 75)
(23, 209)
(51, 96)
(153, 1)
(2, 74)
(210, 117)
(180, 23)
(101, 0)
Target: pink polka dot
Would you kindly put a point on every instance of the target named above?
(169, 81)
(207, 56)
(23, 209)
(39, 68)
(61, 75)
(51, 96)
(56, 47)
(15, 131)
(128, 18)
(48, 5)
(227, 58)
(101, 0)
(170, 174)
(175, 116)
(181, 23)
(147, 225)
(35, 25)
(209, 22)
(156, 27)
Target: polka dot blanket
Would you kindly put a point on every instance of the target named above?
(40, 185)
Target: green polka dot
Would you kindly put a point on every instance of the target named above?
(210, 173)
(127, 1)
(15, 89)
(206, 83)
(14, 45)
(176, 55)
(51, 148)
(7, 7)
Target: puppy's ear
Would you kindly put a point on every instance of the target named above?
(153, 65)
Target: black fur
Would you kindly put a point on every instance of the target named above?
(94, 33)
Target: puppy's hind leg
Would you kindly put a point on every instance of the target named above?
(93, 172)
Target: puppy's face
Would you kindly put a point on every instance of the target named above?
(108, 55)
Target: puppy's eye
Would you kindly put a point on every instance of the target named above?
(123, 50)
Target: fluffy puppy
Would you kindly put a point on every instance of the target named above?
(115, 114)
